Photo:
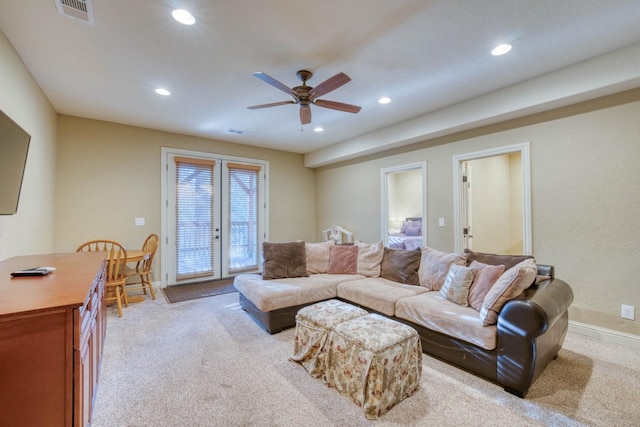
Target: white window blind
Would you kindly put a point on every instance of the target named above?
(243, 216)
(194, 218)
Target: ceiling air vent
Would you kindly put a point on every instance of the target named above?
(80, 10)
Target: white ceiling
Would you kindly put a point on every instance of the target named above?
(431, 57)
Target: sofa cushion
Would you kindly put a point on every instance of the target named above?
(434, 312)
(343, 260)
(456, 285)
(282, 260)
(492, 259)
(318, 256)
(377, 293)
(369, 258)
(269, 295)
(484, 278)
(510, 284)
(434, 266)
(400, 265)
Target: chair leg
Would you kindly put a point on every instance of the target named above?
(118, 300)
(147, 280)
(124, 294)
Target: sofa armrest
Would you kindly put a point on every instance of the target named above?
(537, 309)
(531, 331)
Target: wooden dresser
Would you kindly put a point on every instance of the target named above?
(52, 331)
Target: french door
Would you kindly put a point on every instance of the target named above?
(214, 216)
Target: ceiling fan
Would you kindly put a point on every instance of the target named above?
(307, 95)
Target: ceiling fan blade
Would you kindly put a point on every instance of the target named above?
(273, 82)
(273, 104)
(305, 114)
(328, 85)
(337, 106)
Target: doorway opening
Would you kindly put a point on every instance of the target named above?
(403, 224)
(492, 200)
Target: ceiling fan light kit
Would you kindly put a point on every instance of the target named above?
(305, 95)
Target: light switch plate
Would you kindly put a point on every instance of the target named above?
(441, 222)
(139, 222)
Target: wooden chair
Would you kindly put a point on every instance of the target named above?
(116, 255)
(143, 268)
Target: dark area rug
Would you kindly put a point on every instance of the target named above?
(180, 293)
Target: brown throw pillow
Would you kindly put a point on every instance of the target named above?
(282, 260)
(400, 265)
(343, 260)
(485, 276)
(492, 259)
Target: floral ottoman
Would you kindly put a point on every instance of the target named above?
(313, 324)
(375, 361)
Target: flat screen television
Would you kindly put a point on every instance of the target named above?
(14, 146)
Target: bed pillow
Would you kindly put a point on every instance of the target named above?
(369, 258)
(412, 230)
(343, 259)
(510, 285)
(434, 266)
(484, 278)
(407, 224)
(492, 259)
(318, 256)
(282, 260)
(400, 265)
(457, 283)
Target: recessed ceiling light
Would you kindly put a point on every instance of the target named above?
(318, 129)
(384, 100)
(163, 91)
(501, 49)
(183, 17)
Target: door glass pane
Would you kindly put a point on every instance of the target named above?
(194, 218)
(244, 199)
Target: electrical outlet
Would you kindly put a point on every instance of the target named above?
(628, 312)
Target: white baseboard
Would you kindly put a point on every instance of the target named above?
(605, 335)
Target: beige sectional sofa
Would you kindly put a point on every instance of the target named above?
(507, 332)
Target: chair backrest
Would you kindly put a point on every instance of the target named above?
(116, 255)
(149, 247)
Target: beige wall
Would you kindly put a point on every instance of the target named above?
(109, 174)
(585, 199)
(31, 230)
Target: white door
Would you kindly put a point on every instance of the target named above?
(214, 216)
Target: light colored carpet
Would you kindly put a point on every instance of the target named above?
(205, 362)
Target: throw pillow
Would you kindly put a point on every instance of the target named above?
(400, 265)
(282, 260)
(492, 259)
(434, 266)
(456, 285)
(485, 276)
(369, 258)
(511, 284)
(343, 260)
(318, 256)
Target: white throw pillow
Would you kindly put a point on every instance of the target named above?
(456, 285)
(434, 266)
(318, 256)
(369, 258)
